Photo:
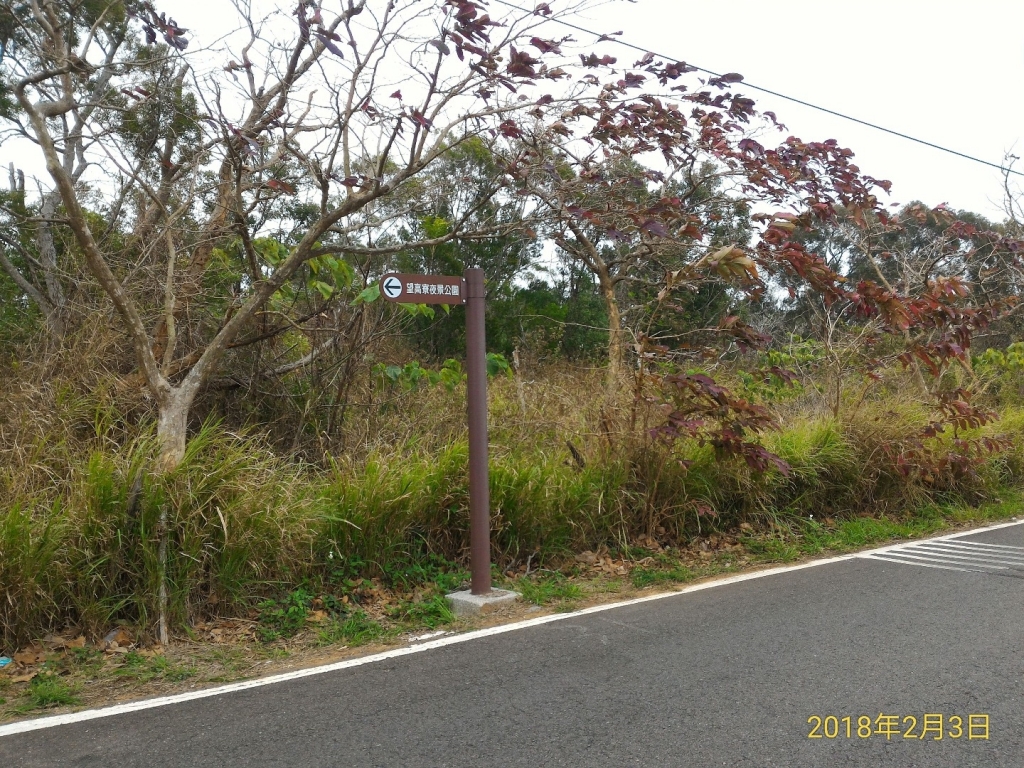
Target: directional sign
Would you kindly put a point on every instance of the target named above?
(391, 287)
(468, 290)
(423, 289)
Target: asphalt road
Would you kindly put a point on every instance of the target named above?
(722, 677)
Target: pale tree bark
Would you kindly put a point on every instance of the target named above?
(48, 252)
(172, 434)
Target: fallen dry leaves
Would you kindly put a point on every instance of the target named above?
(56, 642)
(233, 630)
(603, 564)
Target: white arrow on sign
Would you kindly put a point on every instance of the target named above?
(392, 287)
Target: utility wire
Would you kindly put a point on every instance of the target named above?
(793, 99)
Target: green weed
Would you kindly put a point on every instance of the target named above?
(432, 612)
(773, 550)
(353, 629)
(283, 618)
(409, 574)
(49, 690)
(79, 661)
(854, 533)
(234, 663)
(548, 589)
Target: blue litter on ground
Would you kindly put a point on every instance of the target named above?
(5, 660)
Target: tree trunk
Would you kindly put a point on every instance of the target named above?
(171, 433)
(616, 337)
(48, 254)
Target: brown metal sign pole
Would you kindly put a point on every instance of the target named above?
(476, 385)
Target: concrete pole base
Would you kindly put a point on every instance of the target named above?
(465, 603)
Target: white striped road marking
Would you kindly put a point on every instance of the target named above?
(885, 559)
(960, 553)
(955, 555)
(976, 544)
(960, 546)
(441, 642)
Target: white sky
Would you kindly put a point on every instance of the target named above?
(949, 73)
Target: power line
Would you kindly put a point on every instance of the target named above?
(793, 99)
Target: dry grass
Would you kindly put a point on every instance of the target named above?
(78, 511)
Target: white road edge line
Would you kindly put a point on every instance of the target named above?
(163, 701)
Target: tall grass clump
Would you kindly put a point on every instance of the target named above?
(84, 552)
(405, 506)
(80, 509)
(30, 550)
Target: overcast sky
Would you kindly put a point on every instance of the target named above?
(949, 73)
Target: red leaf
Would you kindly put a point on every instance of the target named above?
(282, 186)
(593, 61)
(326, 40)
(421, 119)
(545, 46)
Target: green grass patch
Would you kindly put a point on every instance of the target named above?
(408, 574)
(796, 536)
(233, 662)
(544, 590)
(774, 549)
(862, 532)
(77, 661)
(1005, 503)
(354, 629)
(50, 690)
(431, 613)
